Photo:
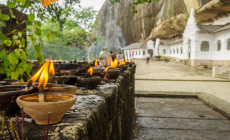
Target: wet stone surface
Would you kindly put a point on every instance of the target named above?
(178, 119)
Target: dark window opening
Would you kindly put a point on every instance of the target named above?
(164, 51)
(228, 45)
(218, 45)
(204, 46)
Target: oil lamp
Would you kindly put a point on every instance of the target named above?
(89, 81)
(98, 70)
(39, 105)
(121, 63)
(114, 63)
(8, 95)
(112, 72)
(73, 61)
(43, 75)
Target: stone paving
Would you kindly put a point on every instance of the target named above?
(170, 76)
(179, 119)
(171, 70)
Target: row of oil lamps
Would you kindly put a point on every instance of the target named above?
(54, 100)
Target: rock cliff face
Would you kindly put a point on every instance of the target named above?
(164, 19)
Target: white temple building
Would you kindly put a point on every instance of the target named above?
(200, 45)
(139, 50)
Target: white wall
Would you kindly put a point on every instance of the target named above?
(174, 48)
(192, 33)
(127, 54)
(189, 34)
(156, 48)
(223, 54)
(197, 53)
(213, 54)
(138, 53)
(162, 48)
(150, 44)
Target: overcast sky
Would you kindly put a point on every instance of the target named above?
(96, 4)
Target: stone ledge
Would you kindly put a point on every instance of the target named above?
(214, 102)
(104, 113)
(186, 80)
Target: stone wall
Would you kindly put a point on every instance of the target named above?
(106, 113)
(209, 63)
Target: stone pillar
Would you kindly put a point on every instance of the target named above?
(214, 69)
(129, 54)
(185, 49)
(228, 75)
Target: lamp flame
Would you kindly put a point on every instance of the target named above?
(51, 69)
(72, 60)
(43, 79)
(114, 63)
(106, 73)
(106, 69)
(36, 75)
(90, 71)
(43, 73)
(122, 63)
(128, 61)
(96, 63)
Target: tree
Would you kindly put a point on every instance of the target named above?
(76, 33)
(134, 3)
(59, 11)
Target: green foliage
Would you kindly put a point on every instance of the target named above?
(59, 24)
(10, 4)
(2, 24)
(58, 51)
(164, 58)
(134, 3)
(31, 17)
(23, 2)
(4, 17)
(13, 63)
(2, 37)
(59, 11)
(13, 59)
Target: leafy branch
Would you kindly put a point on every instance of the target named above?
(134, 3)
(13, 58)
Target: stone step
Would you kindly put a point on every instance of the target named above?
(223, 76)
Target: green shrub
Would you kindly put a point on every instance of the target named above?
(164, 58)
